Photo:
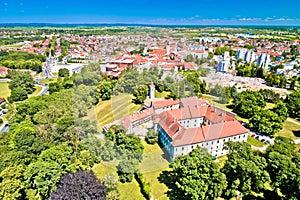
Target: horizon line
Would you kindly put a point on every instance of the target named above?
(143, 24)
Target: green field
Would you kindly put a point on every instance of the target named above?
(289, 126)
(4, 90)
(117, 108)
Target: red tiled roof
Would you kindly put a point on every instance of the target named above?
(208, 133)
(165, 103)
(222, 130)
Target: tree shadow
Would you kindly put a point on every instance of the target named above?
(267, 194)
(230, 106)
(296, 133)
(168, 178)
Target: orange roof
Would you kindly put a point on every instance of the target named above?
(223, 130)
(165, 103)
(208, 133)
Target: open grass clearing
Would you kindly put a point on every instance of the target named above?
(289, 126)
(47, 81)
(4, 90)
(116, 108)
(38, 89)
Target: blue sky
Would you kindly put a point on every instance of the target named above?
(206, 12)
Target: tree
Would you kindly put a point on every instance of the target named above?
(54, 87)
(12, 183)
(245, 170)
(63, 72)
(140, 94)
(221, 92)
(194, 176)
(111, 182)
(293, 104)
(269, 95)
(266, 122)
(281, 110)
(23, 80)
(42, 177)
(105, 89)
(285, 175)
(80, 185)
(152, 137)
(247, 103)
(126, 170)
(18, 94)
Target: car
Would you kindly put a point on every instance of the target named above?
(267, 142)
(253, 135)
(263, 140)
(257, 137)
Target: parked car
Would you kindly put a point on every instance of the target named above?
(263, 140)
(253, 135)
(257, 137)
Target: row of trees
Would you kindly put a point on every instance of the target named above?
(22, 60)
(254, 175)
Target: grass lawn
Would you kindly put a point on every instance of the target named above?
(288, 128)
(127, 191)
(255, 142)
(38, 89)
(130, 191)
(4, 90)
(152, 159)
(158, 189)
(161, 94)
(105, 168)
(117, 108)
(47, 81)
(152, 166)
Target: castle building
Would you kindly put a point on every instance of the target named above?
(188, 123)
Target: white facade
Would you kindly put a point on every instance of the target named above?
(250, 57)
(263, 60)
(191, 123)
(247, 56)
(214, 147)
(223, 66)
(160, 110)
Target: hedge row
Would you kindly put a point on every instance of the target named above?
(145, 186)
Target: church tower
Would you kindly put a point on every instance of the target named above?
(152, 91)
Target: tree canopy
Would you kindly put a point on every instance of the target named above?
(194, 176)
(78, 186)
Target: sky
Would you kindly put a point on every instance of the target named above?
(158, 12)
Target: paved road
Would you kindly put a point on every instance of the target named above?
(5, 80)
